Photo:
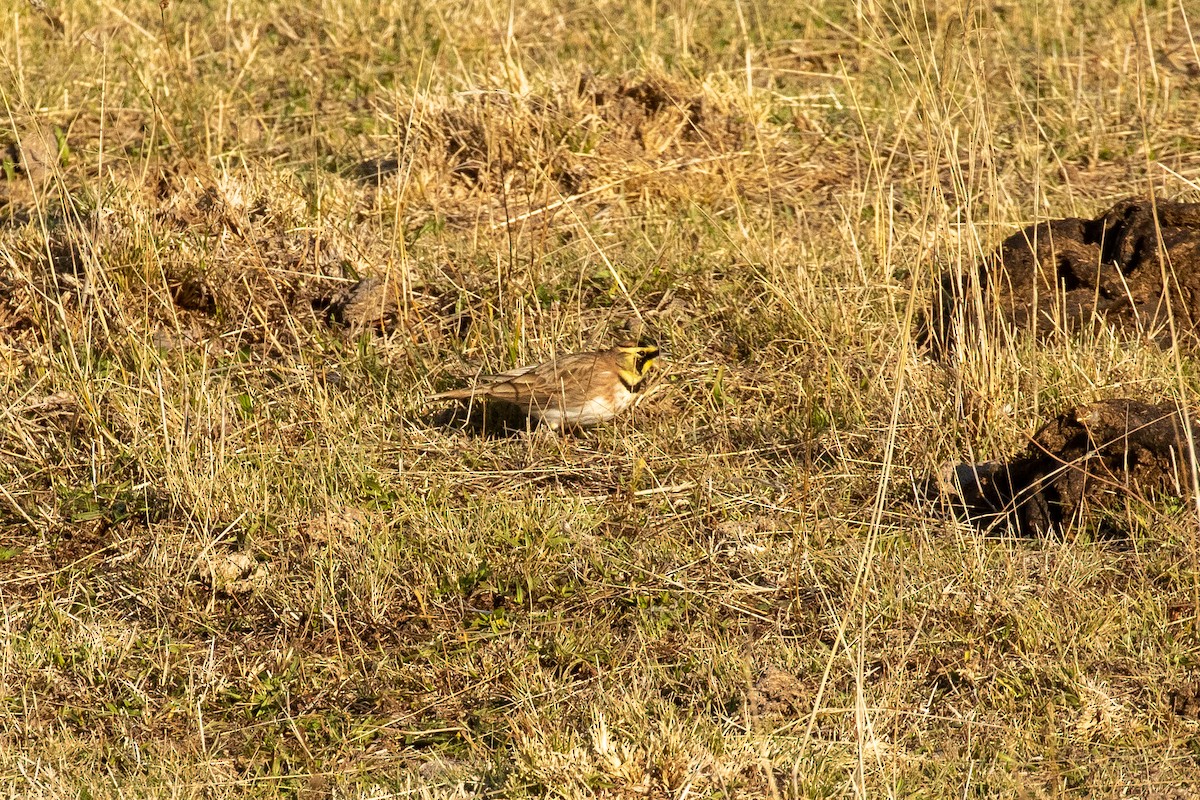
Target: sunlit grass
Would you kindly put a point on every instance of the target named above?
(239, 557)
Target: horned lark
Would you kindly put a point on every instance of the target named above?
(578, 390)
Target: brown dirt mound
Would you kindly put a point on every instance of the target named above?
(1071, 274)
(778, 693)
(225, 261)
(1093, 465)
(1185, 700)
(595, 142)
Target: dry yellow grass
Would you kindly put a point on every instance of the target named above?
(239, 243)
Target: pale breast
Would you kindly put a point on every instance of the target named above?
(591, 412)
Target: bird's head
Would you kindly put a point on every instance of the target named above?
(635, 360)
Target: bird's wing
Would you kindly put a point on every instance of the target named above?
(499, 377)
(544, 386)
(572, 375)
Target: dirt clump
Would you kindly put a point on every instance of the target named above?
(778, 694)
(1093, 465)
(1185, 700)
(235, 574)
(1073, 274)
(37, 154)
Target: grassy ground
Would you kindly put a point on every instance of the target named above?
(240, 557)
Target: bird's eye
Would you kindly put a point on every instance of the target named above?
(644, 359)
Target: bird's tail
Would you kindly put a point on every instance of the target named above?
(454, 394)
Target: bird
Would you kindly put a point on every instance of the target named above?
(575, 391)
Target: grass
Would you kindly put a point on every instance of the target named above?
(239, 558)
